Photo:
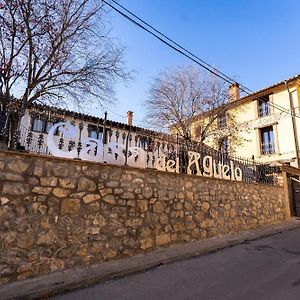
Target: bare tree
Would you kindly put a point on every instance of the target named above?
(55, 52)
(191, 104)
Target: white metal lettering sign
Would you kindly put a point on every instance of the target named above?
(120, 154)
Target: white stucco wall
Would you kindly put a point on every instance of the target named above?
(282, 126)
(26, 125)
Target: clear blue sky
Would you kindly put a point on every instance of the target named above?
(255, 41)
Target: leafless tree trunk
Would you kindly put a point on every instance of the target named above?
(54, 52)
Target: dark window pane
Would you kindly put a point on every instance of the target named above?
(49, 126)
(38, 125)
(93, 134)
(267, 140)
(222, 121)
(264, 107)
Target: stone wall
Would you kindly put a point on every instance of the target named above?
(59, 213)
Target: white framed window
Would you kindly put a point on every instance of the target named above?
(264, 108)
(267, 140)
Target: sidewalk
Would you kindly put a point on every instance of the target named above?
(58, 282)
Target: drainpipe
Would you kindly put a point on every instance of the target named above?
(294, 124)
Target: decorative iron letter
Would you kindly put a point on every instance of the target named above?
(68, 131)
(171, 166)
(217, 169)
(232, 170)
(226, 172)
(238, 174)
(137, 157)
(92, 150)
(207, 166)
(194, 161)
(115, 154)
(160, 163)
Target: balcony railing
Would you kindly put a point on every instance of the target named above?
(267, 148)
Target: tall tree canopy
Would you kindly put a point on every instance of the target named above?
(53, 51)
(191, 103)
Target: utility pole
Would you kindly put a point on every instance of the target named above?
(295, 132)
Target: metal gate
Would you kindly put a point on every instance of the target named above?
(295, 185)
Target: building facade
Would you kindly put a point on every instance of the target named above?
(268, 122)
(53, 131)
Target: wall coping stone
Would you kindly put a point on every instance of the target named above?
(127, 168)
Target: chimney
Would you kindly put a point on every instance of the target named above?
(129, 117)
(234, 92)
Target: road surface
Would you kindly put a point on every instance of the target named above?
(268, 268)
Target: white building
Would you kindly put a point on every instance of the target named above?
(269, 123)
(90, 138)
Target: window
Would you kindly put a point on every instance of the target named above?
(144, 143)
(39, 125)
(49, 125)
(224, 145)
(267, 140)
(42, 125)
(96, 132)
(264, 106)
(92, 132)
(222, 120)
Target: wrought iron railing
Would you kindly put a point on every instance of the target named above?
(267, 148)
(31, 141)
(131, 144)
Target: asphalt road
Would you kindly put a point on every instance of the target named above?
(268, 268)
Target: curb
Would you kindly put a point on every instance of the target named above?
(58, 282)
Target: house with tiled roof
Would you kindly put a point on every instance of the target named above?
(268, 121)
(55, 131)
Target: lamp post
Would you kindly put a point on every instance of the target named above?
(104, 134)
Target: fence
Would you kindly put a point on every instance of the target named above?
(144, 149)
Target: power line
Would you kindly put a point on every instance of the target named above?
(113, 112)
(178, 48)
(172, 41)
(212, 68)
(167, 43)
